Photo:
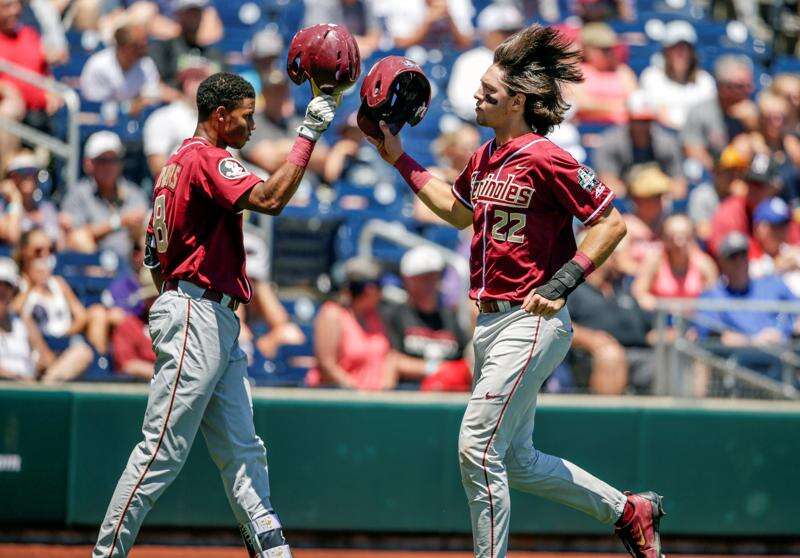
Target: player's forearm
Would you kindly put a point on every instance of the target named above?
(603, 236)
(272, 195)
(434, 193)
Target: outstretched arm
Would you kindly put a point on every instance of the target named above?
(436, 194)
(272, 195)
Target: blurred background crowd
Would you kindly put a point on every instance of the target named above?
(690, 111)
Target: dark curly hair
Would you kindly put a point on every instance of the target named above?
(537, 62)
(222, 90)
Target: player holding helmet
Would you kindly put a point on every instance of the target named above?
(195, 250)
(519, 192)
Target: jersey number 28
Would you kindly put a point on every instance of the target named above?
(517, 223)
(160, 223)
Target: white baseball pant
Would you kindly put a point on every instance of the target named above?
(200, 382)
(515, 352)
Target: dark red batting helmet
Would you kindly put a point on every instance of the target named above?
(395, 91)
(325, 54)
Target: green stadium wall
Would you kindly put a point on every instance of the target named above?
(348, 462)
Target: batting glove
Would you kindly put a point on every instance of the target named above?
(319, 115)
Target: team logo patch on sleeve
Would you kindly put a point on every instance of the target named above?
(232, 169)
(588, 180)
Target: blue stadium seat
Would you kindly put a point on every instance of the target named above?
(87, 274)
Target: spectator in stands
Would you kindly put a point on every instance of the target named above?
(648, 189)
(51, 304)
(104, 206)
(24, 205)
(159, 16)
(350, 341)
(496, 23)
(787, 86)
(167, 127)
(123, 72)
(429, 22)
(21, 45)
(736, 329)
(679, 270)
(601, 98)
(265, 53)
(276, 122)
(173, 56)
(772, 219)
(348, 160)
(640, 141)
(131, 345)
(428, 339)
(726, 179)
(613, 331)
(678, 83)
(452, 150)
(122, 296)
(775, 138)
(736, 211)
(358, 16)
(265, 305)
(711, 125)
(23, 352)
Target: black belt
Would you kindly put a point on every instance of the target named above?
(492, 306)
(208, 294)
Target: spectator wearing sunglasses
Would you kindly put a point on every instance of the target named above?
(105, 206)
(24, 204)
(49, 302)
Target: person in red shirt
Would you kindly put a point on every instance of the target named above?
(735, 213)
(520, 193)
(195, 251)
(22, 45)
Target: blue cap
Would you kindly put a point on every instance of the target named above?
(774, 211)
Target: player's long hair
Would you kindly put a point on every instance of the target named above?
(538, 61)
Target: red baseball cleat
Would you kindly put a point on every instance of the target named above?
(640, 533)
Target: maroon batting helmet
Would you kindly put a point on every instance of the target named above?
(395, 91)
(327, 55)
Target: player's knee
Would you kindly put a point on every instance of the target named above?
(469, 455)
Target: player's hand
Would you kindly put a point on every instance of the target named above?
(390, 148)
(537, 304)
(319, 115)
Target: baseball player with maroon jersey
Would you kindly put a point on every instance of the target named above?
(520, 193)
(195, 252)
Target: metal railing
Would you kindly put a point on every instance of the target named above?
(677, 355)
(398, 234)
(66, 150)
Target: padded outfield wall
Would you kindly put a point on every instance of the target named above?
(387, 463)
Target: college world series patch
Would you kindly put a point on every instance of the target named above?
(588, 180)
(232, 169)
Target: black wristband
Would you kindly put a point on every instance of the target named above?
(563, 282)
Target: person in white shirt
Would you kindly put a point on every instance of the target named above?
(495, 24)
(677, 84)
(167, 127)
(124, 72)
(428, 22)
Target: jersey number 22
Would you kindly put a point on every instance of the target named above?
(517, 222)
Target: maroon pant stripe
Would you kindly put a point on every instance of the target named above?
(494, 431)
(161, 436)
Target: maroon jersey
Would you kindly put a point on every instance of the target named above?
(523, 196)
(196, 226)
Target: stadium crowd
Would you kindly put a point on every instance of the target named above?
(694, 122)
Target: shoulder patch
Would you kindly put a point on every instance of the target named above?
(232, 169)
(587, 179)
